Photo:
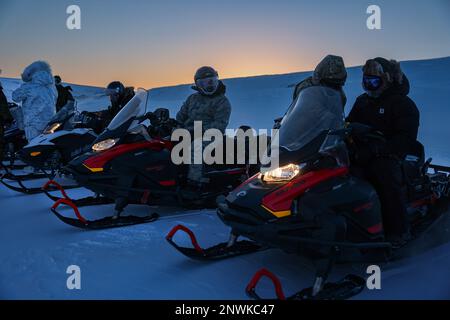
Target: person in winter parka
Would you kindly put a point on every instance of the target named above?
(64, 94)
(387, 108)
(318, 105)
(38, 98)
(329, 73)
(208, 105)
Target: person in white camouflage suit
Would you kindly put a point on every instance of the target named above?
(208, 105)
(38, 98)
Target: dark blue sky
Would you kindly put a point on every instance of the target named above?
(154, 43)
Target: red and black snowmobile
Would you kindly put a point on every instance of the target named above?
(315, 206)
(130, 163)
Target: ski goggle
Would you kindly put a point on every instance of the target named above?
(372, 83)
(208, 85)
(111, 92)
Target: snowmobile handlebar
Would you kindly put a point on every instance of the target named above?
(358, 131)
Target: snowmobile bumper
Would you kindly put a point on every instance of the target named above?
(303, 238)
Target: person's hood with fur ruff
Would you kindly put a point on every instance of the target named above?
(38, 71)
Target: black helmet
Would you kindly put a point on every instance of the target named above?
(116, 86)
(205, 72)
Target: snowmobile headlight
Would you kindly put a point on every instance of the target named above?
(104, 145)
(52, 128)
(284, 173)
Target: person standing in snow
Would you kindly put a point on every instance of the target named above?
(38, 98)
(5, 118)
(64, 94)
(208, 105)
(387, 108)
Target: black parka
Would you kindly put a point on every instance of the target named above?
(64, 96)
(394, 114)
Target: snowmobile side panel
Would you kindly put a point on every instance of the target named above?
(99, 161)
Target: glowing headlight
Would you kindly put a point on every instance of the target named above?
(285, 173)
(52, 128)
(104, 145)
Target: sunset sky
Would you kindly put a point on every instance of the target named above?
(161, 42)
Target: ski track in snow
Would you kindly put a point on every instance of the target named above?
(137, 263)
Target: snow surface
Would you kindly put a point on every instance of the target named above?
(137, 263)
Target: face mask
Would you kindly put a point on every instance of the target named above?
(208, 85)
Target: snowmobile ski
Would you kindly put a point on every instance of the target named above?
(346, 288)
(35, 190)
(12, 165)
(220, 251)
(24, 177)
(104, 223)
(82, 202)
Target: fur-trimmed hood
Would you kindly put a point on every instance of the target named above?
(34, 68)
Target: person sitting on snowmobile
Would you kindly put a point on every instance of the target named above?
(208, 105)
(64, 94)
(387, 108)
(330, 72)
(119, 96)
(38, 97)
(5, 118)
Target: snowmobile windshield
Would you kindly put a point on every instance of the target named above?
(136, 107)
(316, 110)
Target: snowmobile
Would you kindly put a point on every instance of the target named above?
(14, 140)
(315, 205)
(131, 163)
(65, 137)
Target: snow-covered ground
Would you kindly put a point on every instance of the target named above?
(137, 263)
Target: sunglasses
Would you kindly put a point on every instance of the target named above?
(372, 83)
